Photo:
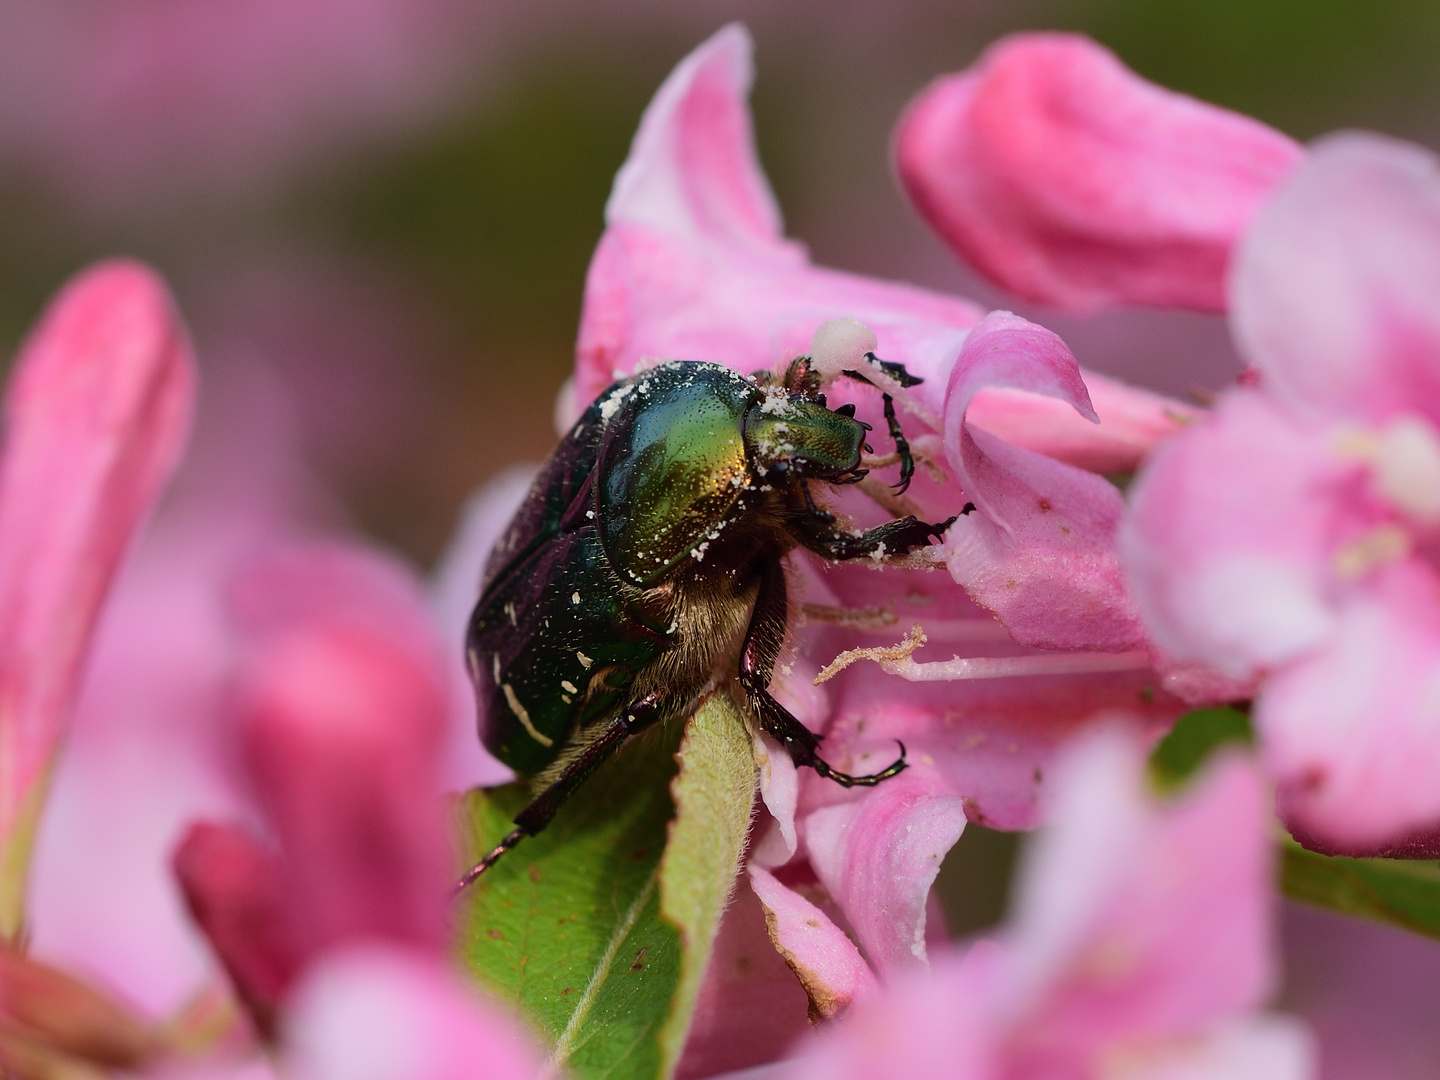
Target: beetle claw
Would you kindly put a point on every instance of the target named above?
(896, 767)
(938, 531)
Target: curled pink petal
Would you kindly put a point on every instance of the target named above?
(371, 1013)
(1132, 423)
(236, 892)
(1139, 945)
(1065, 178)
(1333, 290)
(343, 703)
(825, 961)
(878, 858)
(96, 415)
(1040, 549)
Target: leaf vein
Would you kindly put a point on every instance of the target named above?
(564, 1046)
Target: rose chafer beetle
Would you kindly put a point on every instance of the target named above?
(645, 566)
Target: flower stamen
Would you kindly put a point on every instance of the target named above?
(896, 660)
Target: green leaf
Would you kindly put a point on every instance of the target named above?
(1401, 892)
(714, 795)
(568, 926)
(1192, 739)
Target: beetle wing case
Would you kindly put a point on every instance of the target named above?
(672, 466)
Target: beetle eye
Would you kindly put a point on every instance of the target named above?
(848, 409)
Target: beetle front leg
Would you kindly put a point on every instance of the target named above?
(762, 645)
(539, 812)
(902, 444)
(896, 537)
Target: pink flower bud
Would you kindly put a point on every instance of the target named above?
(1065, 178)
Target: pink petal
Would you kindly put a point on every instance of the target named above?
(1140, 946)
(1348, 731)
(1369, 990)
(95, 418)
(370, 1013)
(1063, 177)
(1136, 922)
(990, 741)
(922, 1028)
(236, 892)
(751, 1008)
(692, 167)
(344, 706)
(822, 957)
(1256, 1048)
(1333, 290)
(150, 749)
(878, 858)
(779, 788)
(987, 740)
(1040, 550)
(1132, 423)
(1231, 537)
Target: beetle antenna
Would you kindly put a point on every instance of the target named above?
(511, 839)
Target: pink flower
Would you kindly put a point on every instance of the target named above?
(693, 265)
(1290, 538)
(341, 925)
(96, 415)
(319, 660)
(1285, 541)
(1060, 175)
(1140, 945)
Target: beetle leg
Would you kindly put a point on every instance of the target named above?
(895, 537)
(757, 663)
(902, 446)
(814, 511)
(538, 813)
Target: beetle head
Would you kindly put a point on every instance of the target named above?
(797, 434)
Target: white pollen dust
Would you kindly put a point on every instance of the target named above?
(840, 345)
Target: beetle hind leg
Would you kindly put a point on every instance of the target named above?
(538, 813)
(757, 664)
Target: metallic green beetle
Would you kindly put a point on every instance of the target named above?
(644, 566)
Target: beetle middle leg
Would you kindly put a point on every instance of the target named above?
(817, 532)
(633, 719)
(757, 664)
